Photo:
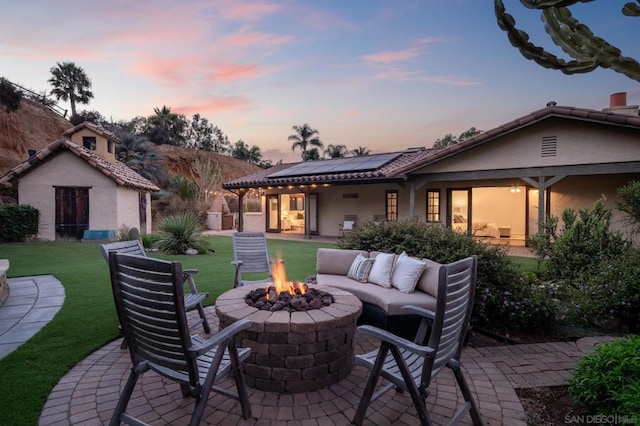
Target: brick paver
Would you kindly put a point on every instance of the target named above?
(88, 393)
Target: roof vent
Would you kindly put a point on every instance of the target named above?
(552, 103)
(414, 149)
(549, 146)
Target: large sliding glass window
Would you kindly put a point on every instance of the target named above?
(433, 205)
(391, 205)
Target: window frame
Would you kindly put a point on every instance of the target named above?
(433, 203)
(391, 205)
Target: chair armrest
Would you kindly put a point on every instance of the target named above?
(388, 337)
(190, 271)
(417, 310)
(204, 346)
(236, 262)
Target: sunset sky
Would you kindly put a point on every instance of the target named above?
(385, 75)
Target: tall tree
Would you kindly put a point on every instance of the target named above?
(449, 139)
(305, 138)
(587, 50)
(141, 156)
(360, 151)
(70, 83)
(243, 152)
(335, 151)
(166, 127)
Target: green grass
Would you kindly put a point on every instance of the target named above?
(87, 320)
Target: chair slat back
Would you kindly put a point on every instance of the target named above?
(133, 247)
(149, 299)
(455, 302)
(251, 249)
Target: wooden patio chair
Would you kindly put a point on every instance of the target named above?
(250, 257)
(192, 299)
(349, 224)
(149, 299)
(410, 366)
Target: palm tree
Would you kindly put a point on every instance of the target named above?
(141, 156)
(305, 138)
(166, 127)
(335, 151)
(361, 151)
(71, 83)
(241, 151)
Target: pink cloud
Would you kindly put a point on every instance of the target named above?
(392, 56)
(244, 11)
(247, 37)
(213, 104)
(231, 71)
(352, 113)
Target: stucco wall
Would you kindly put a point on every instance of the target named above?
(102, 144)
(577, 143)
(110, 206)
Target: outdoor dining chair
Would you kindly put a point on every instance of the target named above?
(411, 366)
(250, 257)
(192, 299)
(149, 299)
(349, 224)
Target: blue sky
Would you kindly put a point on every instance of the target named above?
(386, 75)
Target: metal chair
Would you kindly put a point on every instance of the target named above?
(149, 299)
(250, 257)
(349, 224)
(410, 366)
(192, 299)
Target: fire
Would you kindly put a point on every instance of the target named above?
(280, 279)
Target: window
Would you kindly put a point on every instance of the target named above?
(391, 206)
(296, 203)
(433, 205)
(110, 147)
(89, 142)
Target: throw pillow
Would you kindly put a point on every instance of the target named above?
(428, 282)
(406, 273)
(348, 225)
(360, 268)
(381, 270)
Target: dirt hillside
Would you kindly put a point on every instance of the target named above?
(34, 126)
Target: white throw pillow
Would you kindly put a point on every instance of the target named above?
(348, 225)
(406, 273)
(381, 270)
(360, 268)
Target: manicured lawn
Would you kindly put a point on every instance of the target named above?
(87, 319)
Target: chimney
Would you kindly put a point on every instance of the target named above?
(618, 105)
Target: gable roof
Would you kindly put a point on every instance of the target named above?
(413, 159)
(117, 171)
(94, 128)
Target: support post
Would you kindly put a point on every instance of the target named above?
(241, 210)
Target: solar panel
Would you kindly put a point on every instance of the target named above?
(336, 165)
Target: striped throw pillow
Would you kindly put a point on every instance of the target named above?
(360, 268)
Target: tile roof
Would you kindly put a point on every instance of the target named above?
(386, 172)
(413, 159)
(93, 127)
(117, 171)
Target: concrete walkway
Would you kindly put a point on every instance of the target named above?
(32, 303)
(88, 393)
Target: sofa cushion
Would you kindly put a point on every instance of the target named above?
(336, 261)
(428, 281)
(360, 268)
(406, 273)
(382, 269)
(388, 299)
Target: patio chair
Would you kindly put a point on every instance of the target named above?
(348, 225)
(411, 366)
(250, 257)
(192, 299)
(149, 299)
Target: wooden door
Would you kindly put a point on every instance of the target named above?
(142, 211)
(72, 212)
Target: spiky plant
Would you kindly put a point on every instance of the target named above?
(180, 232)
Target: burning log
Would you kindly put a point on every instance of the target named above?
(303, 299)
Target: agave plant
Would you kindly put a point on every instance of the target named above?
(180, 232)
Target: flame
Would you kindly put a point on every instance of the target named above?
(280, 279)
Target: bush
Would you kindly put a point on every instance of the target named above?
(607, 381)
(505, 298)
(613, 292)
(18, 223)
(10, 97)
(150, 240)
(585, 243)
(628, 201)
(179, 233)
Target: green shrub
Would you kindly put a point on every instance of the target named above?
(607, 381)
(585, 243)
(180, 232)
(613, 292)
(10, 97)
(18, 223)
(628, 201)
(504, 298)
(150, 240)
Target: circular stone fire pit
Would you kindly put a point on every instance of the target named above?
(294, 351)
